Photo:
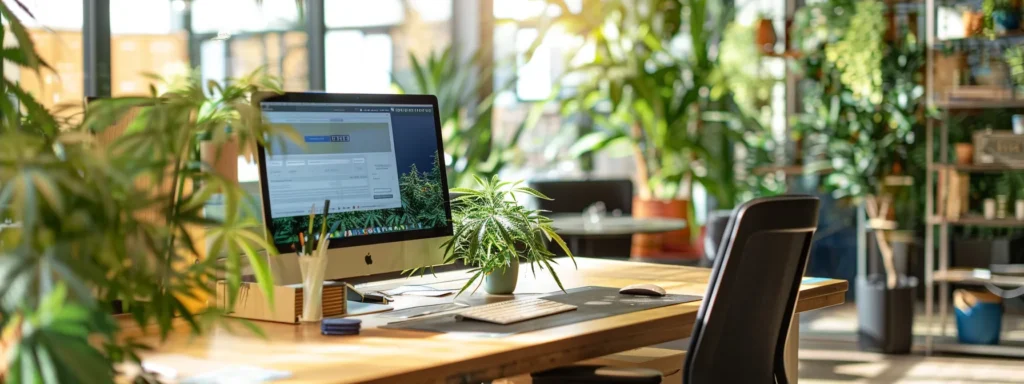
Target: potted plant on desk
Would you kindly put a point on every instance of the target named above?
(493, 233)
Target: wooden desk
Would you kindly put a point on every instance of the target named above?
(392, 356)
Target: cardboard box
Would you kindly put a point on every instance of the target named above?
(287, 308)
(668, 361)
(999, 147)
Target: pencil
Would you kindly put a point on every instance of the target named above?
(323, 225)
(312, 215)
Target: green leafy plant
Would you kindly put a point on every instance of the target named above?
(466, 103)
(858, 54)
(1014, 57)
(642, 94)
(492, 229)
(120, 218)
(863, 115)
(738, 132)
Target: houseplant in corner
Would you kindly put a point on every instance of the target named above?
(120, 217)
(494, 232)
(864, 106)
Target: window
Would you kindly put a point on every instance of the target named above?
(155, 44)
(381, 35)
(516, 28)
(236, 37)
(57, 33)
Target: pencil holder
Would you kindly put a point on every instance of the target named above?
(312, 267)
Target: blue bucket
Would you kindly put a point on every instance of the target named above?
(979, 317)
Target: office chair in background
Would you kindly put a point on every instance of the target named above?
(741, 328)
(574, 196)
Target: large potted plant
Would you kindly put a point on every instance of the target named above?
(645, 99)
(494, 233)
(864, 103)
(91, 221)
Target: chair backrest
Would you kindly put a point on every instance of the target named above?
(573, 196)
(740, 332)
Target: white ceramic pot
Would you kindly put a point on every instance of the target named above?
(989, 208)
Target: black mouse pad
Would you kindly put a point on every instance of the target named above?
(591, 302)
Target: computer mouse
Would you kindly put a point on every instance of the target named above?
(643, 290)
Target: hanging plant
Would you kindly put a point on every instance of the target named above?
(858, 55)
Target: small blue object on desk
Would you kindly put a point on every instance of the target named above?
(340, 327)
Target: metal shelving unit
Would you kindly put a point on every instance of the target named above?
(937, 270)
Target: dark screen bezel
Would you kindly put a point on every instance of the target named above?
(329, 98)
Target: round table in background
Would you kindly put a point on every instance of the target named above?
(571, 227)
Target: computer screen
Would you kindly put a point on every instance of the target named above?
(379, 164)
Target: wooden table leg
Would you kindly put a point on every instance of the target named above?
(792, 346)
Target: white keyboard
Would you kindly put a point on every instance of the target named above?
(514, 311)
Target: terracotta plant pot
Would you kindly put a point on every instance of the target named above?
(675, 244)
(765, 38)
(223, 157)
(964, 153)
(974, 23)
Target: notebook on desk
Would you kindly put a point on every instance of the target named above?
(591, 302)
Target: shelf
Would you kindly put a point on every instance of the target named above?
(1009, 37)
(1006, 349)
(978, 221)
(980, 104)
(789, 170)
(978, 277)
(979, 168)
(783, 55)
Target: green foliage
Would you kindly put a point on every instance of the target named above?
(1014, 57)
(674, 110)
(472, 147)
(641, 93)
(848, 129)
(737, 130)
(858, 54)
(492, 229)
(99, 222)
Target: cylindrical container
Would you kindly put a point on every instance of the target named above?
(989, 208)
(1018, 124)
(979, 317)
(1019, 209)
(1002, 206)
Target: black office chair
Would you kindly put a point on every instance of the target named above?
(741, 328)
(573, 196)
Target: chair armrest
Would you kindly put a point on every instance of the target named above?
(587, 374)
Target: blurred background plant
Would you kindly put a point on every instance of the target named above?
(108, 207)
(671, 108)
(466, 101)
(864, 112)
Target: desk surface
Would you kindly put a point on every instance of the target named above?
(396, 356)
(573, 225)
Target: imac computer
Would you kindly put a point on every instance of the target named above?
(378, 159)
